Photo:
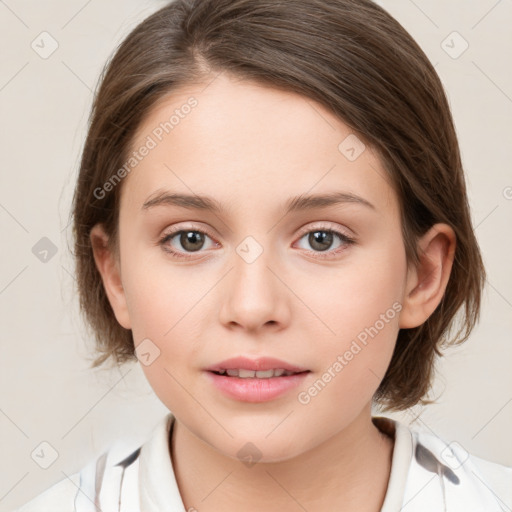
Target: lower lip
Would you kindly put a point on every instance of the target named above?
(254, 389)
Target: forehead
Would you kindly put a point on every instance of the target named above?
(244, 144)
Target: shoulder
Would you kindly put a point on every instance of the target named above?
(104, 474)
(463, 477)
(111, 477)
(498, 477)
(58, 498)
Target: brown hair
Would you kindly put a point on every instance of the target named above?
(352, 57)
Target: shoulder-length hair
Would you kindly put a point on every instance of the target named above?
(350, 56)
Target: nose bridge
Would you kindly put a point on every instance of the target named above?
(253, 298)
(251, 268)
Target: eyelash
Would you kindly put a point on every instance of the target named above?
(347, 241)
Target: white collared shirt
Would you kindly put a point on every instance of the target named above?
(427, 475)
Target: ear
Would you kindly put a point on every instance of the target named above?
(109, 269)
(426, 283)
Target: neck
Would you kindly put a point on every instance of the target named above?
(334, 474)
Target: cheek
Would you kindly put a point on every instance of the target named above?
(163, 303)
(161, 310)
(158, 293)
(357, 295)
(362, 312)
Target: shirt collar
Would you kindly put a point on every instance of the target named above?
(426, 473)
(158, 488)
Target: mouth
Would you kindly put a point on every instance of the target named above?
(247, 367)
(255, 386)
(260, 374)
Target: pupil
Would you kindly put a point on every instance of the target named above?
(188, 240)
(317, 238)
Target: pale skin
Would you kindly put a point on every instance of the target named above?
(252, 148)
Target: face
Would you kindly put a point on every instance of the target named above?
(319, 286)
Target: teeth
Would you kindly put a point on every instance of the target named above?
(248, 374)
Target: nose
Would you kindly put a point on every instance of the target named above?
(254, 295)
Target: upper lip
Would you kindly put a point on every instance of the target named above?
(259, 364)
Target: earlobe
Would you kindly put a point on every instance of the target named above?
(426, 283)
(108, 267)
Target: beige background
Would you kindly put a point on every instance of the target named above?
(47, 391)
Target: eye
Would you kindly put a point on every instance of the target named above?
(181, 242)
(322, 238)
(191, 240)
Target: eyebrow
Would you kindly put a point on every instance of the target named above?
(298, 203)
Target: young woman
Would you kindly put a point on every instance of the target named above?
(271, 216)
